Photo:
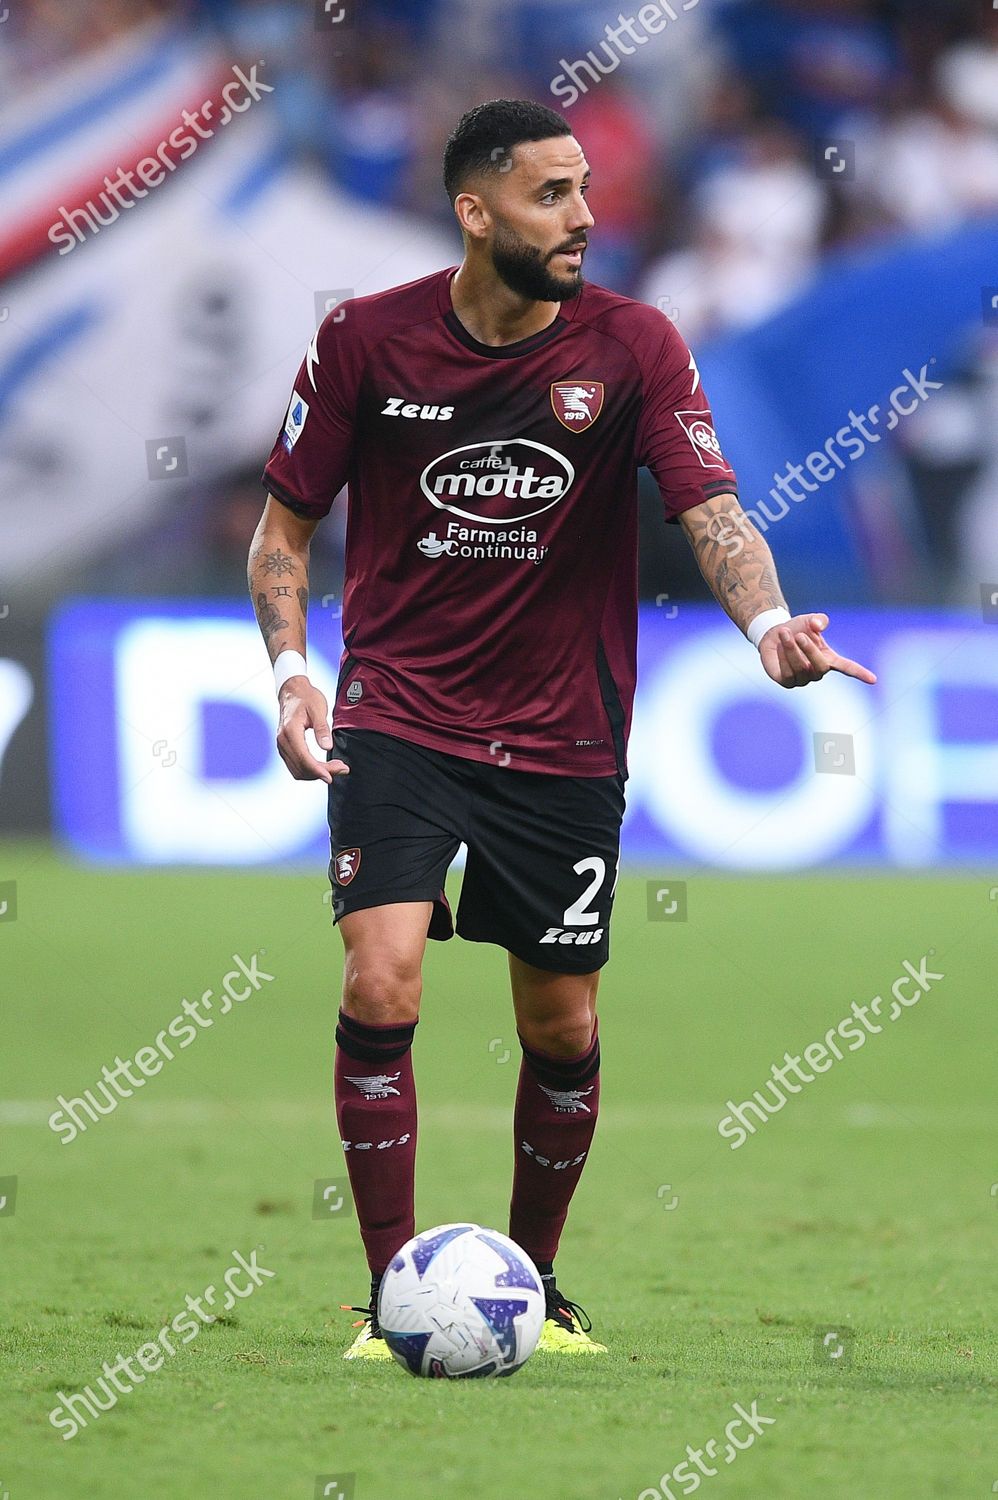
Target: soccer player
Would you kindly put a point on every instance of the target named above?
(489, 421)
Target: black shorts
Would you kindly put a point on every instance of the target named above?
(542, 850)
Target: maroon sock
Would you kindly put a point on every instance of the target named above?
(376, 1112)
(557, 1101)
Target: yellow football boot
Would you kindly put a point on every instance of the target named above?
(368, 1344)
(567, 1326)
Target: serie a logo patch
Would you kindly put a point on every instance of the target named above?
(297, 414)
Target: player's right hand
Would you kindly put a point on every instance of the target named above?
(304, 707)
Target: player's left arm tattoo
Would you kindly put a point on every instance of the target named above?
(734, 558)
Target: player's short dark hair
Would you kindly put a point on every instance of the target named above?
(483, 139)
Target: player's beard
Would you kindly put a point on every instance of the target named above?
(526, 270)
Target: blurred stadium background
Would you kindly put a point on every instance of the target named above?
(810, 188)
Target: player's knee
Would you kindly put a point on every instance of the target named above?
(563, 1036)
(382, 989)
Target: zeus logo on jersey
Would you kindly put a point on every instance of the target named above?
(703, 437)
(396, 408)
(297, 412)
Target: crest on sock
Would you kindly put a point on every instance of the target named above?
(568, 1100)
(376, 1086)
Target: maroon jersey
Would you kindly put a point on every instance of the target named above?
(490, 601)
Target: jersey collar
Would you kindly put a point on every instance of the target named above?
(502, 351)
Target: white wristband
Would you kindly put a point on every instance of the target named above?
(757, 628)
(289, 664)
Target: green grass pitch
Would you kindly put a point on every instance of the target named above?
(866, 1208)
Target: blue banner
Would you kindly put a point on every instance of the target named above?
(876, 318)
(171, 757)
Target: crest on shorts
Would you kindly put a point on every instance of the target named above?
(345, 865)
(577, 403)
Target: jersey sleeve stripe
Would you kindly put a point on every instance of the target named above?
(307, 512)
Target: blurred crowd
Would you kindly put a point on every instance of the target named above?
(708, 138)
(733, 150)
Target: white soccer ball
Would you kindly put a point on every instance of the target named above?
(459, 1301)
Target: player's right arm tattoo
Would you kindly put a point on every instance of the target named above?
(269, 617)
(734, 558)
(278, 562)
(277, 573)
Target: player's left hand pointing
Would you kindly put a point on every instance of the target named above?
(797, 653)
